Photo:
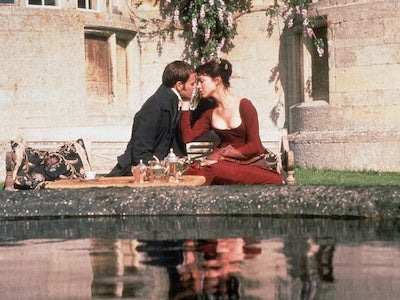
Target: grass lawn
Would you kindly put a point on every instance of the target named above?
(330, 177)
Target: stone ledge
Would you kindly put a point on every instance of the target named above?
(369, 136)
(320, 116)
(380, 202)
(63, 134)
(353, 151)
(323, 230)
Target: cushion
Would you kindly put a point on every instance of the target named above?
(35, 166)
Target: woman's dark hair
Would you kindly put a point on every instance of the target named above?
(215, 68)
(176, 71)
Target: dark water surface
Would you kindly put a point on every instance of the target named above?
(187, 257)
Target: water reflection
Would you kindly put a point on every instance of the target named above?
(203, 267)
(199, 258)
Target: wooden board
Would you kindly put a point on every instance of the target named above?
(125, 181)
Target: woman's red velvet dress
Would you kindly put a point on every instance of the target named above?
(245, 139)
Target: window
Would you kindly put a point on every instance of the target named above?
(121, 85)
(308, 72)
(98, 68)
(44, 2)
(6, 1)
(87, 4)
(320, 68)
(108, 73)
(106, 68)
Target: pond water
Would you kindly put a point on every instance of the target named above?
(199, 258)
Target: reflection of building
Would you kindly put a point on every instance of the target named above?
(368, 271)
(268, 271)
(118, 271)
(46, 269)
(122, 268)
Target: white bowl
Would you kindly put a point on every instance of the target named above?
(90, 175)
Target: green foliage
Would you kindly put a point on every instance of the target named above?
(294, 12)
(208, 25)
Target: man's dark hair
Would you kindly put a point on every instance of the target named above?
(176, 71)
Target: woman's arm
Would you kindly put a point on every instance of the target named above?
(200, 127)
(253, 145)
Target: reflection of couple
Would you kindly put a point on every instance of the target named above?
(202, 267)
(238, 159)
(213, 273)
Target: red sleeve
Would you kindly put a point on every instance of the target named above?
(253, 145)
(202, 126)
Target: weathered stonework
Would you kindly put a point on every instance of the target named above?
(358, 127)
(47, 80)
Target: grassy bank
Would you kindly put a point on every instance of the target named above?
(330, 177)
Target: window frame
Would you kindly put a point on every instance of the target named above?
(57, 4)
(88, 3)
(8, 3)
(304, 58)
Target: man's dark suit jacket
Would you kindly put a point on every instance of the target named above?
(155, 130)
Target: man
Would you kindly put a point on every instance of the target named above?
(155, 127)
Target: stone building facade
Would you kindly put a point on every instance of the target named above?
(353, 123)
(79, 69)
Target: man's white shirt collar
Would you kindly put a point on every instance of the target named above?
(179, 97)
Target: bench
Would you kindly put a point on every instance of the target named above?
(278, 146)
(104, 145)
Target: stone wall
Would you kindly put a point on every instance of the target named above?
(358, 127)
(43, 63)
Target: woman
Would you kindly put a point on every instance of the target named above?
(235, 121)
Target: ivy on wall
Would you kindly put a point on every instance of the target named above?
(209, 26)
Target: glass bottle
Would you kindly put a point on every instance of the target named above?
(142, 169)
(172, 160)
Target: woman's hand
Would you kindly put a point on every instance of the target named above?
(231, 152)
(209, 162)
(185, 105)
(214, 156)
(226, 152)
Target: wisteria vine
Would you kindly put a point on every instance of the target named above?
(209, 26)
(295, 12)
